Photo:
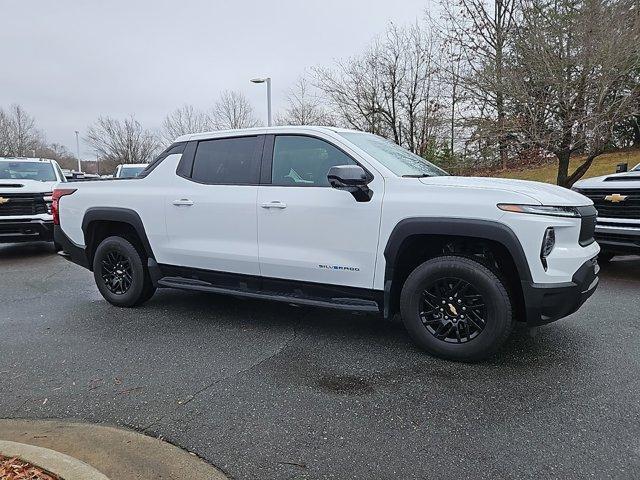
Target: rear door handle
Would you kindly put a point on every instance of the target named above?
(183, 202)
(274, 204)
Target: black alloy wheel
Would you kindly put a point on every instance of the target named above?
(120, 273)
(116, 272)
(456, 308)
(452, 310)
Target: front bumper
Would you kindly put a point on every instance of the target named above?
(618, 238)
(25, 230)
(546, 303)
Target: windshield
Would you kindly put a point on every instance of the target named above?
(41, 171)
(397, 159)
(636, 168)
(130, 172)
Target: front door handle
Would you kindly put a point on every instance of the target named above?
(183, 202)
(274, 204)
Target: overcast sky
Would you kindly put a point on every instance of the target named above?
(67, 62)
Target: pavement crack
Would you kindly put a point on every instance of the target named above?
(190, 398)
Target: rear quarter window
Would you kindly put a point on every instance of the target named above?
(171, 150)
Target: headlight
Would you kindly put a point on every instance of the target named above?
(548, 242)
(48, 199)
(540, 210)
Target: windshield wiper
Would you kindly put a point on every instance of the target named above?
(416, 175)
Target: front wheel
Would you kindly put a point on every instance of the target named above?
(120, 274)
(456, 308)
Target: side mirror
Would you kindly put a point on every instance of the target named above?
(622, 167)
(351, 178)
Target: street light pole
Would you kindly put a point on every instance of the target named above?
(78, 151)
(266, 80)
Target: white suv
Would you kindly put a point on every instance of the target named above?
(342, 219)
(26, 186)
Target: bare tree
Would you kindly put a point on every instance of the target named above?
(58, 152)
(484, 30)
(304, 108)
(573, 77)
(352, 89)
(125, 141)
(420, 93)
(19, 136)
(232, 111)
(184, 120)
(391, 89)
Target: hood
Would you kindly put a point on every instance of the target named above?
(614, 181)
(8, 185)
(542, 193)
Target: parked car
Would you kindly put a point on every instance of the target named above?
(129, 170)
(617, 199)
(26, 186)
(342, 219)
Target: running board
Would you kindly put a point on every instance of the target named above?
(351, 304)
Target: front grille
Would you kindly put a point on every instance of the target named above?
(618, 238)
(21, 204)
(629, 208)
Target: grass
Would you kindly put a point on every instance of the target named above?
(602, 165)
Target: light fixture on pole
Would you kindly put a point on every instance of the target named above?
(78, 151)
(266, 80)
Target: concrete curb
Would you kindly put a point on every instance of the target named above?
(64, 466)
(119, 453)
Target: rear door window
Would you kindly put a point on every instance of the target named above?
(227, 161)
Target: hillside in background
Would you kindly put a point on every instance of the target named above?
(603, 165)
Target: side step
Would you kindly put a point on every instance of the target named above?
(351, 304)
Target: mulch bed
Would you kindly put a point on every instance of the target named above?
(16, 469)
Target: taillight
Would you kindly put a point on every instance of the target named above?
(58, 193)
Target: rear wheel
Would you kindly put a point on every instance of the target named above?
(120, 274)
(456, 308)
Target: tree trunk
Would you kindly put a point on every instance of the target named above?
(500, 110)
(580, 171)
(453, 115)
(636, 131)
(563, 167)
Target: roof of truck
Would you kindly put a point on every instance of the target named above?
(261, 131)
(26, 159)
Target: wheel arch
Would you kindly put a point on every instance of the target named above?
(414, 240)
(99, 222)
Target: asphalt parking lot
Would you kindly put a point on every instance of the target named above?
(265, 390)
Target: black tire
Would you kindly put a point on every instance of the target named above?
(120, 274)
(605, 256)
(475, 319)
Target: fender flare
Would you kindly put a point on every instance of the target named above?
(459, 227)
(115, 214)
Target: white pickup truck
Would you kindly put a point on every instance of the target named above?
(337, 218)
(617, 198)
(26, 187)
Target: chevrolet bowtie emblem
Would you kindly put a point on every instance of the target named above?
(616, 198)
(3, 200)
(453, 310)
